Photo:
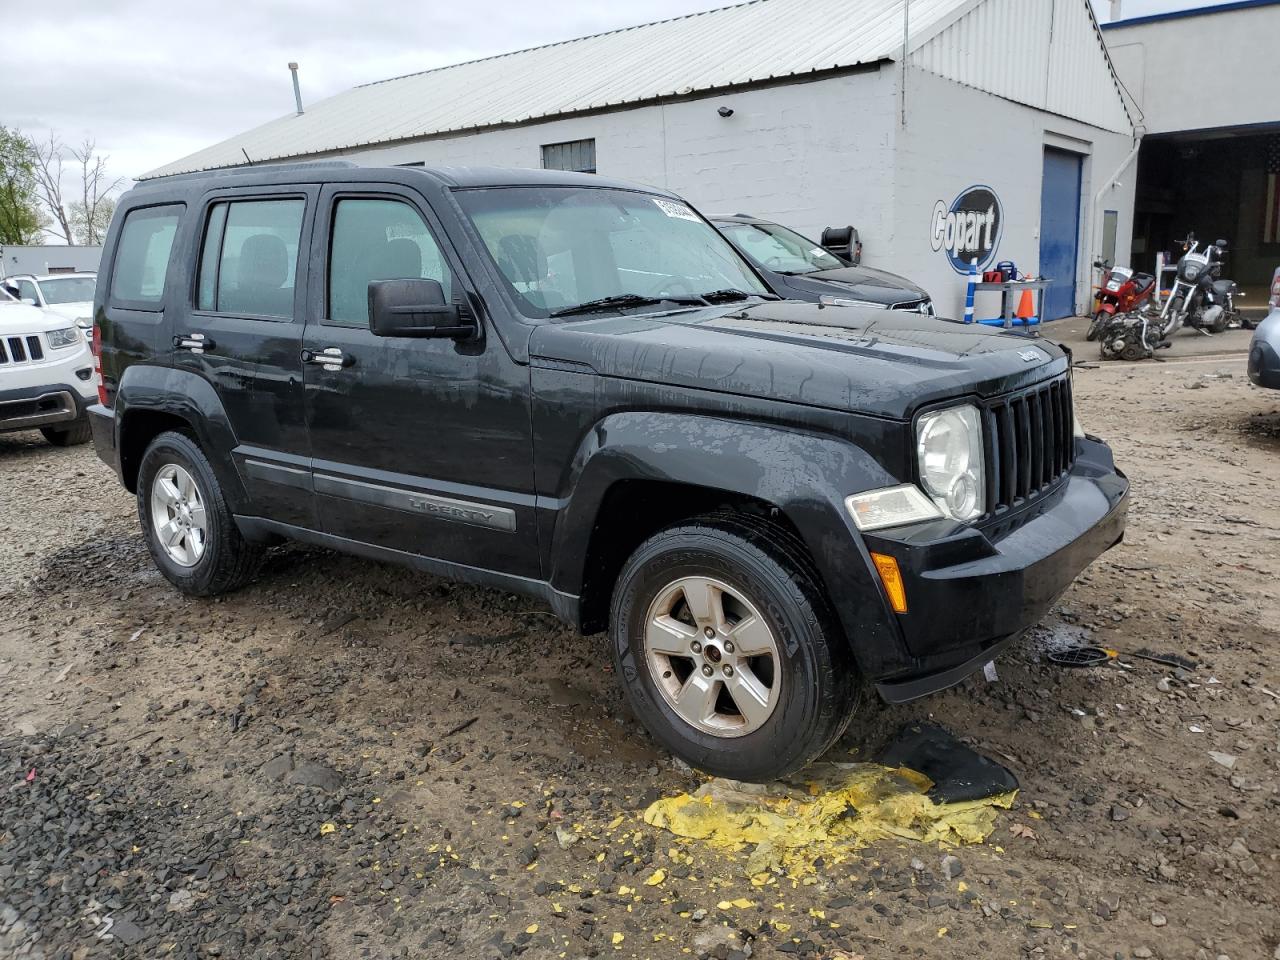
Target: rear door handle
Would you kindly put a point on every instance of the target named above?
(195, 342)
(330, 358)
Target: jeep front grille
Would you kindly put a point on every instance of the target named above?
(1030, 443)
(15, 350)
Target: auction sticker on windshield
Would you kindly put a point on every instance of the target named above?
(672, 209)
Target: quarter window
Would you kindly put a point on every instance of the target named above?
(142, 255)
(378, 240)
(249, 261)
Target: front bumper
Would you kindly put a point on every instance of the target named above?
(41, 405)
(970, 596)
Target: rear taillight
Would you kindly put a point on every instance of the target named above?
(95, 345)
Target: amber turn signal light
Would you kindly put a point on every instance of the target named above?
(891, 577)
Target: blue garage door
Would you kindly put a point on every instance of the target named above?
(1060, 230)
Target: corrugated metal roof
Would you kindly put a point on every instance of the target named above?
(751, 42)
(1047, 54)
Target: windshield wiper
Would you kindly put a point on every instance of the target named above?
(729, 293)
(622, 300)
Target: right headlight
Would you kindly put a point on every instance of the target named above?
(949, 451)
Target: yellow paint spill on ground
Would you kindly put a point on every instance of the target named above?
(837, 808)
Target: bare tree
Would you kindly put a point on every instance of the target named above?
(49, 158)
(84, 217)
(87, 214)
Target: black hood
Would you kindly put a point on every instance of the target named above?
(858, 283)
(857, 359)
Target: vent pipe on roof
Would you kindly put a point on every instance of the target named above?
(1115, 10)
(297, 91)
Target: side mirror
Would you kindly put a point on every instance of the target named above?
(416, 308)
(30, 301)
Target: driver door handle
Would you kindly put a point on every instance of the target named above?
(195, 342)
(330, 358)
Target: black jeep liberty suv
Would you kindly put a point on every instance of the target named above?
(575, 388)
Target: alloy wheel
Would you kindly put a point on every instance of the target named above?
(712, 656)
(178, 517)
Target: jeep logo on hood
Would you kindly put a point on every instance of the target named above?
(969, 228)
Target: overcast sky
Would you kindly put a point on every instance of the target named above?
(154, 80)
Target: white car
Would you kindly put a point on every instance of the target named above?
(68, 295)
(47, 376)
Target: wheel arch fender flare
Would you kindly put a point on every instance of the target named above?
(804, 474)
(151, 399)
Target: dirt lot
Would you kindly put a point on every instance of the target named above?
(350, 760)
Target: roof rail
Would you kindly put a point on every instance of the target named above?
(266, 166)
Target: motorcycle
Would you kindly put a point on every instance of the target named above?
(1120, 290)
(1201, 298)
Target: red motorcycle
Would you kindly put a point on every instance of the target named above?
(1119, 291)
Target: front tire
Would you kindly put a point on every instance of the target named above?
(727, 650)
(187, 524)
(77, 432)
(1099, 324)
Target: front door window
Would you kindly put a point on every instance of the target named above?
(376, 239)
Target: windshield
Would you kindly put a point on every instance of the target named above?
(564, 247)
(779, 249)
(68, 289)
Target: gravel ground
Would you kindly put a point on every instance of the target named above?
(350, 760)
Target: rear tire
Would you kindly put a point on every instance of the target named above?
(77, 432)
(800, 693)
(187, 524)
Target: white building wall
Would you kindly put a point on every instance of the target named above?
(956, 137)
(1200, 72)
(834, 152)
(43, 258)
(810, 155)
(1042, 53)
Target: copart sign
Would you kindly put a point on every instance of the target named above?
(968, 228)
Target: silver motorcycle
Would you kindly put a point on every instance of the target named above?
(1201, 298)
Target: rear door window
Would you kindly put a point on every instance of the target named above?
(142, 256)
(249, 258)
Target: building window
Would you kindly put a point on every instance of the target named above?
(577, 156)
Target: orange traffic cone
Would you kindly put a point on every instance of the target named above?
(1027, 308)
